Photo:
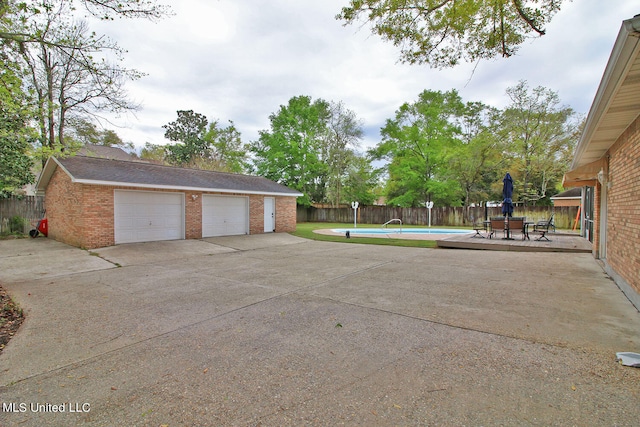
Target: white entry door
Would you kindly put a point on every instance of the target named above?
(224, 215)
(269, 214)
(147, 216)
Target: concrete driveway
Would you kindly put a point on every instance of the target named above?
(273, 330)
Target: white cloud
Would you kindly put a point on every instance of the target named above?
(240, 61)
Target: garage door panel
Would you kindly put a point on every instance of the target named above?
(142, 216)
(172, 211)
(224, 215)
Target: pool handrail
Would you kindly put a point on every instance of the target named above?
(393, 220)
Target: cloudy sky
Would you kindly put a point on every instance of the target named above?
(241, 60)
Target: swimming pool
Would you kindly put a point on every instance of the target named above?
(401, 231)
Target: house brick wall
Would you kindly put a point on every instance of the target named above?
(597, 195)
(623, 206)
(83, 215)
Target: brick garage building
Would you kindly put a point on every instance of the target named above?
(606, 164)
(96, 202)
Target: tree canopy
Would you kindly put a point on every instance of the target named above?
(16, 136)
(63, 65)
(290, 152)
(311, 147)
(442, 33)
(201, 144)
(414, 143)
(441, 149)
(539, 133)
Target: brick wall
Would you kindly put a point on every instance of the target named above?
(256, 214)
(566, 202)
(285, 214)
(98, 216)
(79, 215)
(595, 241)
(64, 202)
(83, 215)
(623, 205)
(193, 215)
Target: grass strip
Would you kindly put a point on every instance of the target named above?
(305, 230)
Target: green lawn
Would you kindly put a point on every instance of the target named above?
(305, 229)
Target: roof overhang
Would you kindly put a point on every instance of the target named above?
(616, 104)
(180, 188)
(46, 174)
(583, 175)
(52, 164)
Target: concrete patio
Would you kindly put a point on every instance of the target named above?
(273, 330)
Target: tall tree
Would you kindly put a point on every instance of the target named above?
(69, 74)
(538, 130)
(474, 159)
(361, 181)
(188, 130)
(86, 132)
(153, 153)
(11, 10)
(16, 136)
(229, 152)
(204, 145)
(290, 152)
(70, 82)
(414, 145)
(344, 132)
(441, 33)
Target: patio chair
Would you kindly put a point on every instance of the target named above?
(546, 223)
(517, 224)
(478, 228)
(542, 228)
(497, 223)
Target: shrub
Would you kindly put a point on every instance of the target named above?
(16, 224)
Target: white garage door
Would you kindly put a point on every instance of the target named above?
(224, 215)
(146, 216)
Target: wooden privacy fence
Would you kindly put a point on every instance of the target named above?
(29, 208)
(564, 216)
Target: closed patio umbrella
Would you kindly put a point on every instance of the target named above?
(507, 203)
(507, 193)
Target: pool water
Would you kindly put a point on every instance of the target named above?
(401, 231)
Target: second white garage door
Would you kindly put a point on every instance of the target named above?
(224, 215)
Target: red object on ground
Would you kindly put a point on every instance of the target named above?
(43, 227)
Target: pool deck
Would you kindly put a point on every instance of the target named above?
(558, 242)
(561, 241)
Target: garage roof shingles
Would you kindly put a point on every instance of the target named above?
(118, 172)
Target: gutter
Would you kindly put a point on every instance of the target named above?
(181, 188)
